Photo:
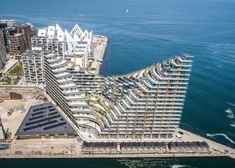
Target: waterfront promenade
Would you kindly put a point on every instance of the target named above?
(216, 149)
(72, 148)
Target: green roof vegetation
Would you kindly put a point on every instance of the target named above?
(99, 105)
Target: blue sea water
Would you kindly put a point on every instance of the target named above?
(154, 30)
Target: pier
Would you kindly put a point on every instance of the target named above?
(99, 44)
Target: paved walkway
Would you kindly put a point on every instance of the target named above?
(215, 148)
(10, 63)
(99, 44)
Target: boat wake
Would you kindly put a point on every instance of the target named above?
(231, 104)
(230, 115)
(232, 125)
(229, 111)
(221, 134)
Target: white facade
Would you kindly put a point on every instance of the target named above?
(33, 66)
(144, 105)
(75, 46)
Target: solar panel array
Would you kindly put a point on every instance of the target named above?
(44, 119)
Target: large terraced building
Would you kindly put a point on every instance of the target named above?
(143, 105)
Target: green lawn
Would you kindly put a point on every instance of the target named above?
(17, 70)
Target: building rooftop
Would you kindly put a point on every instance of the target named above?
(44, 119)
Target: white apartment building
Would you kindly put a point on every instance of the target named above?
(144, 105)
(33, 66)
(74, 46)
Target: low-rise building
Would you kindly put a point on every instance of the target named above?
(44, 120)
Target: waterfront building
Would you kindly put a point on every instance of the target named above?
(148, 103)
(143, 105)
(50, 40)
(7, 23)
(33, 66)
(74, 46)
(68, 86)
(62, 45)
(3, 56)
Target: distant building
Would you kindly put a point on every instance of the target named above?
(33, 66)
(16, 44)
(6, 29)
(75, 46)
(7, 23)
(3, 56)
(15, 38)
(26, 30)
(2, 42)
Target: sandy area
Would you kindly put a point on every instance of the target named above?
(43, 147)
(20, 108)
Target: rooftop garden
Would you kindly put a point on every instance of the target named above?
(99, 105)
